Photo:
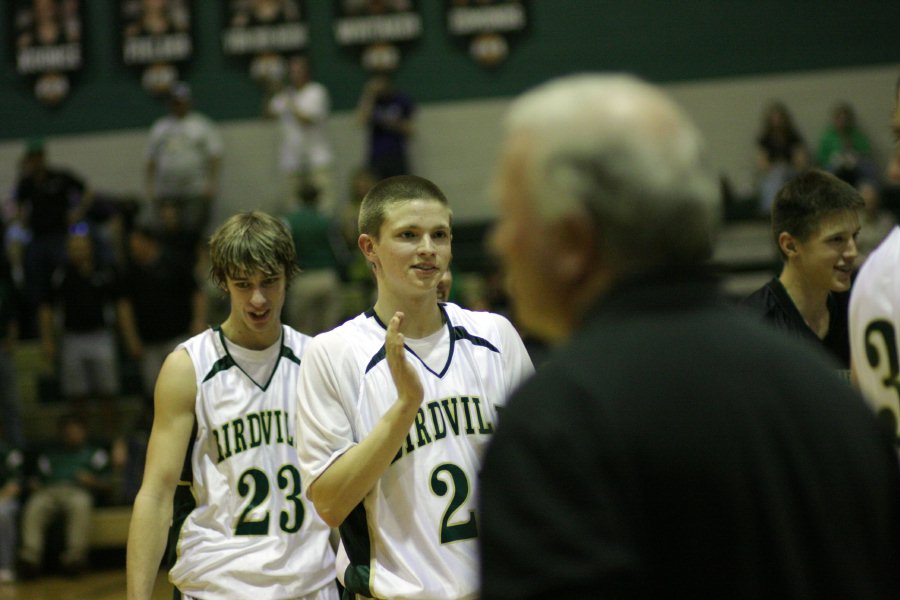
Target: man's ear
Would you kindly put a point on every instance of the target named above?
(576, 240)
(787, 243)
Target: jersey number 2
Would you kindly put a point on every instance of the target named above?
(255, 483)
(457, 531)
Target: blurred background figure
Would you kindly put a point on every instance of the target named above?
(781, 153)
(10, 404)
(184, 154)
(359, 283)
(71, 479)
(305, 156)
(78, 330)
(387, 114)
(314, 301)
(11, 460)
(48, 200)
(165, 305)
(844, 150)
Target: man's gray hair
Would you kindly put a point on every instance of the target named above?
(620, 150)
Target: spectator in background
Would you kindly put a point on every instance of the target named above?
(361, 181)
(360, 284)
(84, 292)
(815, 222)
(184, 154)
(11, 459)
(71, 477)
(388, 116)
(49, 200)
(165, 305)
(844, 151)
(10, 405)
(314, 300)
(183, 244)
(305, 156)
(781, 153)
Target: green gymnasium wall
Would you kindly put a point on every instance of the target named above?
(664, 41)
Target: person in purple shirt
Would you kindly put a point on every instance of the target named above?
(388, 115)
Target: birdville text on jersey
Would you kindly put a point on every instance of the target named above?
(444, 417)
(433, 422)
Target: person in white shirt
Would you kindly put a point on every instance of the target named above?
(184, 155)
(305, 155)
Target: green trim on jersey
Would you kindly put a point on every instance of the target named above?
(457, 332)
(358, 544)
(226, 362)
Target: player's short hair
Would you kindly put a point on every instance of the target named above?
(390, 191)
(803, 201)
(248, 242)
(620, 152)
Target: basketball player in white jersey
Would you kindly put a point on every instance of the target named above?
(875, 320)
(224, 435)
(397, 405)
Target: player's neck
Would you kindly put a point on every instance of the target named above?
(422, 317)
(242, 336)
(811, 303)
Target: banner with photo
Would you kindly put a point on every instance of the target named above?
(49, 45)
(379, 29)
(486, 27)
(265, 32)
(156, 39)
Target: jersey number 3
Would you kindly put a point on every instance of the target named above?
(255, 484)
(884, 330)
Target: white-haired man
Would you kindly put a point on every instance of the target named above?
(672, 446)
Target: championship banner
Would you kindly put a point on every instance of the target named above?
(486, 26)
(156, 38)
(265, 31)
(377, 28)
(49, 45)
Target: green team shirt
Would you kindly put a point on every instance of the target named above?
(62, 465)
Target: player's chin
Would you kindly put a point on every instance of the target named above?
(842, 280)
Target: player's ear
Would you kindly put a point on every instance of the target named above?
(787, 243)
(366, 245)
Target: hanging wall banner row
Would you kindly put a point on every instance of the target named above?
(157, 36)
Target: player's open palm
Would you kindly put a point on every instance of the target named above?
(409, 387)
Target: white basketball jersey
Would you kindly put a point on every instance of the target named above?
(875, 328)
(415, 535)
(252, 533)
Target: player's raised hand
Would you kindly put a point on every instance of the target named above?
(409, 387)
